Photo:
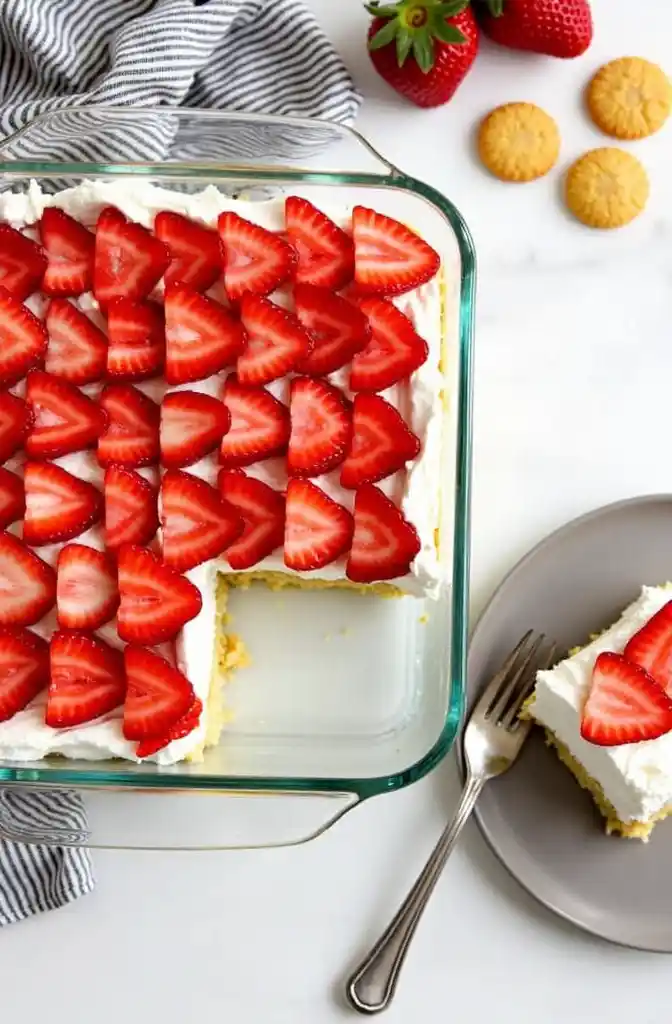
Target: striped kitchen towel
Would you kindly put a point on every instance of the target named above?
(263, 56)
(256, 56)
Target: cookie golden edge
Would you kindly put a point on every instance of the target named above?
(501, 159)
(597, 211)
(643, 119)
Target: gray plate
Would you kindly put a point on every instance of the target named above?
(537, 820)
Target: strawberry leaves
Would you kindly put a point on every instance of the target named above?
(413, 25)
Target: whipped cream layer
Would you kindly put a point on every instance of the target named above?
(636, 778)
(416, 490)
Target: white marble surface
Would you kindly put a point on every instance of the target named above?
(574, 370)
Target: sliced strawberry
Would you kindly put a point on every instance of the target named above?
(158, 695)
(136, 340)
(338, 329)
(128, 259)
(12, 498)
(69, 248)
(321, 427)
(59, 506)
(325, 252)
(22, 263)
(389, 258)
(394, 351)
(87, 679)
(192, 425)
(63, 419)
(384, 542)
(196, 253)
(276, 341)
(15, 419)
(23, 339)
(317, 529)
(184, 725)
(382, 443)
(24, 669)
(131, 515)
(77, 349)
(27, 584)
(132, 434)
(262, 510)
(155, 600)
(651, 647)
(259, 424)
(202, 337)
(625, 705)
(197, 523)
(87, 595)
(256, 261)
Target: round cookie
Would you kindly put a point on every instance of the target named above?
(606, 188)
(629, 98)
(518, 142)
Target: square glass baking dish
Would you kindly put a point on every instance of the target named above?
(347, 696)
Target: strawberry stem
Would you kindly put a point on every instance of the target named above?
(415, 25)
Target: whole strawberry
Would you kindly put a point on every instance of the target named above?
(558, 28)
(423, 48)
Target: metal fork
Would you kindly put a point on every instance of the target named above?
(493, 739)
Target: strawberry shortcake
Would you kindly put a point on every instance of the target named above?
(197, 392)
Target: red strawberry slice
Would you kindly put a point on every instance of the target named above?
(256, 261)
(59, 506)
(651, 647)
(63, 419)
(325, 252)
(338, 329)
(131, 515)
(317, 529)
(389, 258)
(69, 248)
(192, 425)
(276, 341)
(136, 340)
(155, 600)
(158, 695)
(22, 263)
(24, 669)
(15, 419)
(625, 705)
(87, 595)
(384, 542)
(196, 252)
(262, 510)
(394, 351)
(321, 427)
(128, 259)
(184, 725)
(197, 524)
(87, 679)
(12, 498)
(382, 443)
(23, 339)
(27, 584)
(132, 434)
(259, 424)
(202, 337)
(77, 349)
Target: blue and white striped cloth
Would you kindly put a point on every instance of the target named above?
(262, 56)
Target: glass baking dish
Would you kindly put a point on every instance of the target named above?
(347, 696)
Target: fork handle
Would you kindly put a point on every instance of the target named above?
(372, 985)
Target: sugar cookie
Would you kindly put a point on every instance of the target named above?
(629, 98)
(606, 188)
(518, 142)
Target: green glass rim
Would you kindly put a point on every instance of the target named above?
(365, 787)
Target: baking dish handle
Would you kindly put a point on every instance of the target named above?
(167, 820)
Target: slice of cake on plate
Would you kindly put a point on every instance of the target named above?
(607, 710)
(197, 393)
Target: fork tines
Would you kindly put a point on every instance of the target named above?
(511, 686)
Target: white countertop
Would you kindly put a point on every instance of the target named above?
(574, 358)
